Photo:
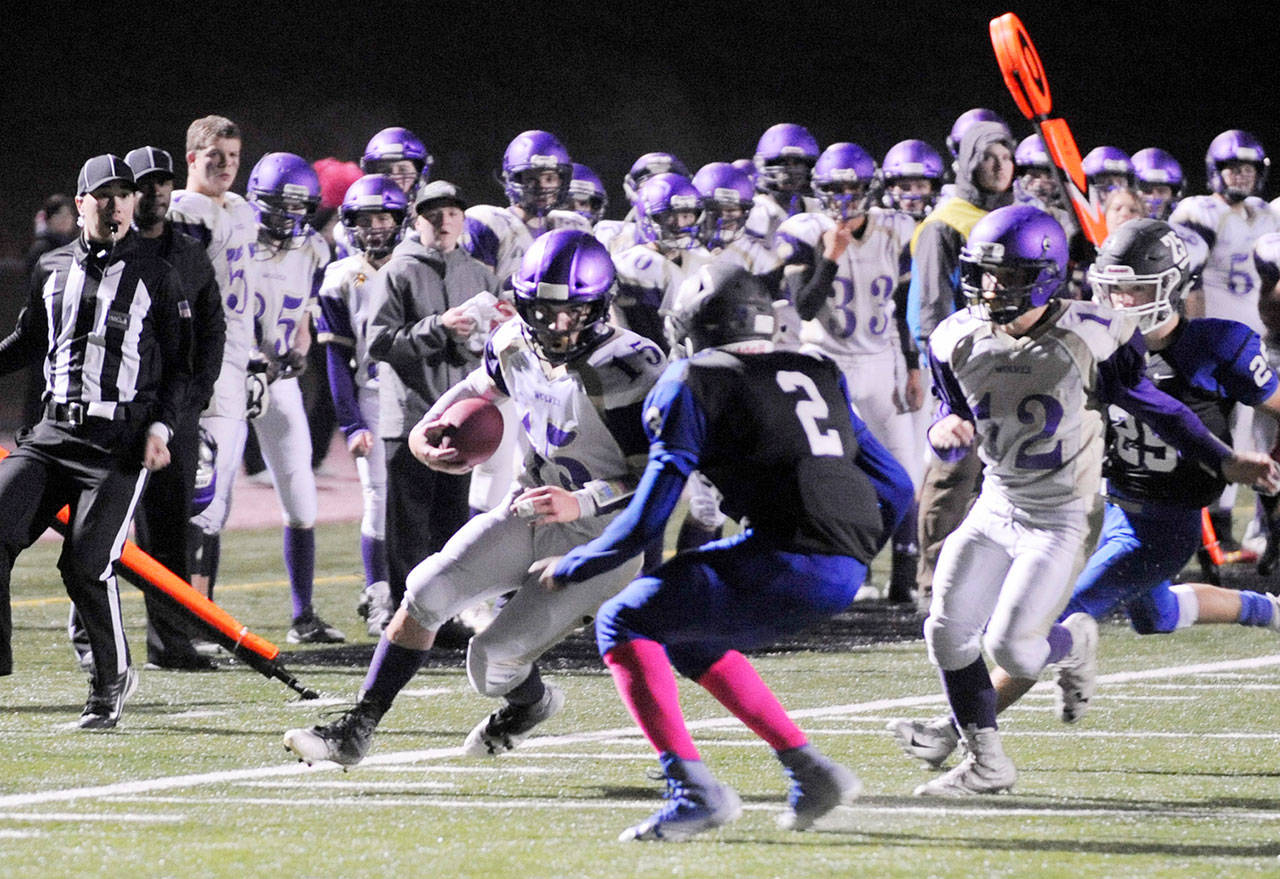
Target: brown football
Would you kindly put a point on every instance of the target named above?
(473, 427)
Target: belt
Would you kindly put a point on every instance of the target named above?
(74, 413)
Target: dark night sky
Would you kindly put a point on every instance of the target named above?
(700, 80)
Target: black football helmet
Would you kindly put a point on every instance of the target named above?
(1142, 253)
(720, 305)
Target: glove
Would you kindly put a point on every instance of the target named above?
(257, 397)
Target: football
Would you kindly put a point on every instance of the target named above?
(474, 427)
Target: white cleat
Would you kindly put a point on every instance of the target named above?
(930, 741)
(510, 725)
(1077, 676)
(985, 769)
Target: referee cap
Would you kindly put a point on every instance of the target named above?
(149, 160)
(101, 170)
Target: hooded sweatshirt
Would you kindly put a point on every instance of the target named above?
(935, 249)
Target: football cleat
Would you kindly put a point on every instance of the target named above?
(376, 607)
(931, 741)
(510, 725)
(1077, 675)
(310, 629)
(345, 741)
(985, 769)
(695, 802)
(103, 708)
(818, 785)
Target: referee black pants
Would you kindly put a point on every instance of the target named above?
(96, 469)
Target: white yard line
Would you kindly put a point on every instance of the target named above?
(79, 817)
(176, 782)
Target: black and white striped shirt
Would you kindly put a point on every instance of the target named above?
(115, 330)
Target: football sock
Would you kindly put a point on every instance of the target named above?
(972, 697)
(300, 563)
(647, 686)
(210, 556)
(1060, 643)
(738, 687)
(529, 691)
(373, 552)
(391, 668)
(1255, 609)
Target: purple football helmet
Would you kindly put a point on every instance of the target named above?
(528, 165)
(1015, 260)
(667, 212)
(842, 179)
(727, 196)
(206, 476)
(562, 292)
(396, 144)
(1036, 175)
(284, 191)
(907, 168)
(646, 166)
(784, 157)
(1159, 180)
(1233, 146)
(965, 120)
(1107, 168)
(373, 194)
(586, 193)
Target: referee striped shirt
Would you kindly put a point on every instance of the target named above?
(114, 328)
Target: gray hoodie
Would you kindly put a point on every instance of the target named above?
(935, 266)
(409, 295)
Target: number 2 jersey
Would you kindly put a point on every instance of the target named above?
(1037, 400)
(1210, 365)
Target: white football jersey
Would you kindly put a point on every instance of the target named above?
(496, 237)
(616, 235)
(1230, 280)
(648, 278)
(564, 409)
(858, 315)
(748, 253)
(767, 215)
(286, 294)
(1040, 424)
(344, 297)
(229, 232)
(564, 220)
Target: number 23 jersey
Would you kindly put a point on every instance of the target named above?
(1034, 398)
(1210, 365)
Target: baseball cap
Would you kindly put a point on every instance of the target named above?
(149, 160)
(101, 170)
(436, 193)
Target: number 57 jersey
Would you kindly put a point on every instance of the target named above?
(1038, 400)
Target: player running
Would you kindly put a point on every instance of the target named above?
(578, 384)
(821, 496)
(1154, 496)
(1027, 375)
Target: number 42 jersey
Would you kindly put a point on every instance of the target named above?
(1038, 400)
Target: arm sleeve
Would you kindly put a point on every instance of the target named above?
(677, 434)
(1122, 380)
(816, 289)
(342, 385)
(950, 401)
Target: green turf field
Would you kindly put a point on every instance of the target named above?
(1174, 773)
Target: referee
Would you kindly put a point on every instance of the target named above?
(115, 330)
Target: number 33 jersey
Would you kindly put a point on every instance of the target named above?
(1210, 365)
(1034, 399)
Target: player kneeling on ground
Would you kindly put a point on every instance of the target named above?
(578, 385)
(773, 430)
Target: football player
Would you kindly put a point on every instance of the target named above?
(536, 171)
(1159, 179)
(668, 208)
(727, 198)
(225, 223)
(1154, 495)
(401, 155)
(844, 266)
(578, 384)
(290, 258)
(618, 235)
(373, 213)
(1023, 375)
(912, 175)
(587, 195)
(784, 158)
(1230, 220)
(1107, 168)
(821, 495)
